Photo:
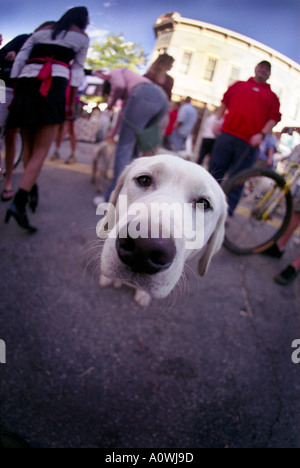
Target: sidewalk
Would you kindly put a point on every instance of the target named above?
(86, 367)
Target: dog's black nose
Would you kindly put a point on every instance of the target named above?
(148, 256)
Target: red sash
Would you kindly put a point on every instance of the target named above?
(45, 73)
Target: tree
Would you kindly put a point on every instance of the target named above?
(116, 53)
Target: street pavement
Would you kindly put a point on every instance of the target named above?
(210, 366)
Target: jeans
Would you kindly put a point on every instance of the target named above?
(144, 107)
(177, 141)
(231, 155)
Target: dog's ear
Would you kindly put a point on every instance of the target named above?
(214, 244)
(115, 194)
(108, 221)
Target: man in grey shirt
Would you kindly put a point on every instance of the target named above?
(186, 120)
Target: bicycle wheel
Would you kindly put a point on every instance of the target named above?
(18, 154)
(263, 212)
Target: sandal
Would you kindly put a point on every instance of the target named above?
(7, 195)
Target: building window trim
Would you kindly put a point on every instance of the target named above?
(209, 72)
(186, 60)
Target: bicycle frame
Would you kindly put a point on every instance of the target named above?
(290, 182)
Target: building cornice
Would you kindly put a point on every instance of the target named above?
(174, 20)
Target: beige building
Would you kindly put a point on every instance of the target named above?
(209, 58)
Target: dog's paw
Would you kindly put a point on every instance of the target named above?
(104, 281)
(142, 298)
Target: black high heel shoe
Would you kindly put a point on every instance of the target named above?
(20, 217)
(33, 198)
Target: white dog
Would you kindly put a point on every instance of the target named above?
(148, 251)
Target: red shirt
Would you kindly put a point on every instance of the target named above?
(250, 106)
(172, 119)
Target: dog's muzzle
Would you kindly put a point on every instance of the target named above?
(146, 255)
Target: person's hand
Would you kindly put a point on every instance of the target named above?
(10, 56)
(256, 140)
(109, 139)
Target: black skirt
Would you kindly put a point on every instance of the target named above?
(30, 109)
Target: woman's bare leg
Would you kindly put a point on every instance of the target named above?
(41, 142)
(294, 223)
(10, 151)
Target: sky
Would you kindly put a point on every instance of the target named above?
(275, 23)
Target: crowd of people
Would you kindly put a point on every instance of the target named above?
(42, 73)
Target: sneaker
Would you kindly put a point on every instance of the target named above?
(287, 276)
(274, 251)
(71, 160)
(55, 156)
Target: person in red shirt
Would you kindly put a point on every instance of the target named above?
(251, 110)
(173, 114)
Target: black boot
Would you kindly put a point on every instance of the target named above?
(273, 251)
(18, 211)
(33, 198)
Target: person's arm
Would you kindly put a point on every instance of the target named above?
(274, 117)
(13, 46)
(114, 130)
(180, 117)
(22, 56)
(221, 111)
(118, 87)
(77, 75)
(118, 91)
(77, 67)
(257, 139)
(70, 106)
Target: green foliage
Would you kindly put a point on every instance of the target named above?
(116, 53)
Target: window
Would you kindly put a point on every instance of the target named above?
(210, 69)
(185, 62)
(234, 76)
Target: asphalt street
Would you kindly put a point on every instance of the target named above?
(210, 366)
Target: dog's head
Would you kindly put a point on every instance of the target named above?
(163, 211)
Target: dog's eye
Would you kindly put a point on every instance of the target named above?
(205, 202)
(144, 181)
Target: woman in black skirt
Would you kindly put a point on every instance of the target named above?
(48, 60)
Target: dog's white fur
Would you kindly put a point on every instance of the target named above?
(173, 181)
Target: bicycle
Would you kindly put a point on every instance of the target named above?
(18, 155)
(264, 210)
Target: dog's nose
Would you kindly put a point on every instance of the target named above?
(148, 256)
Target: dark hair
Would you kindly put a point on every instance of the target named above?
(265, 62)
(47, 24)
(161, 64)
(77, 16)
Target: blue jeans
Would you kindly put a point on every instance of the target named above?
(177, 141)
(231, 155)
(145, 107)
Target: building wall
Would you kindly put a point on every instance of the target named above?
(198, 47)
